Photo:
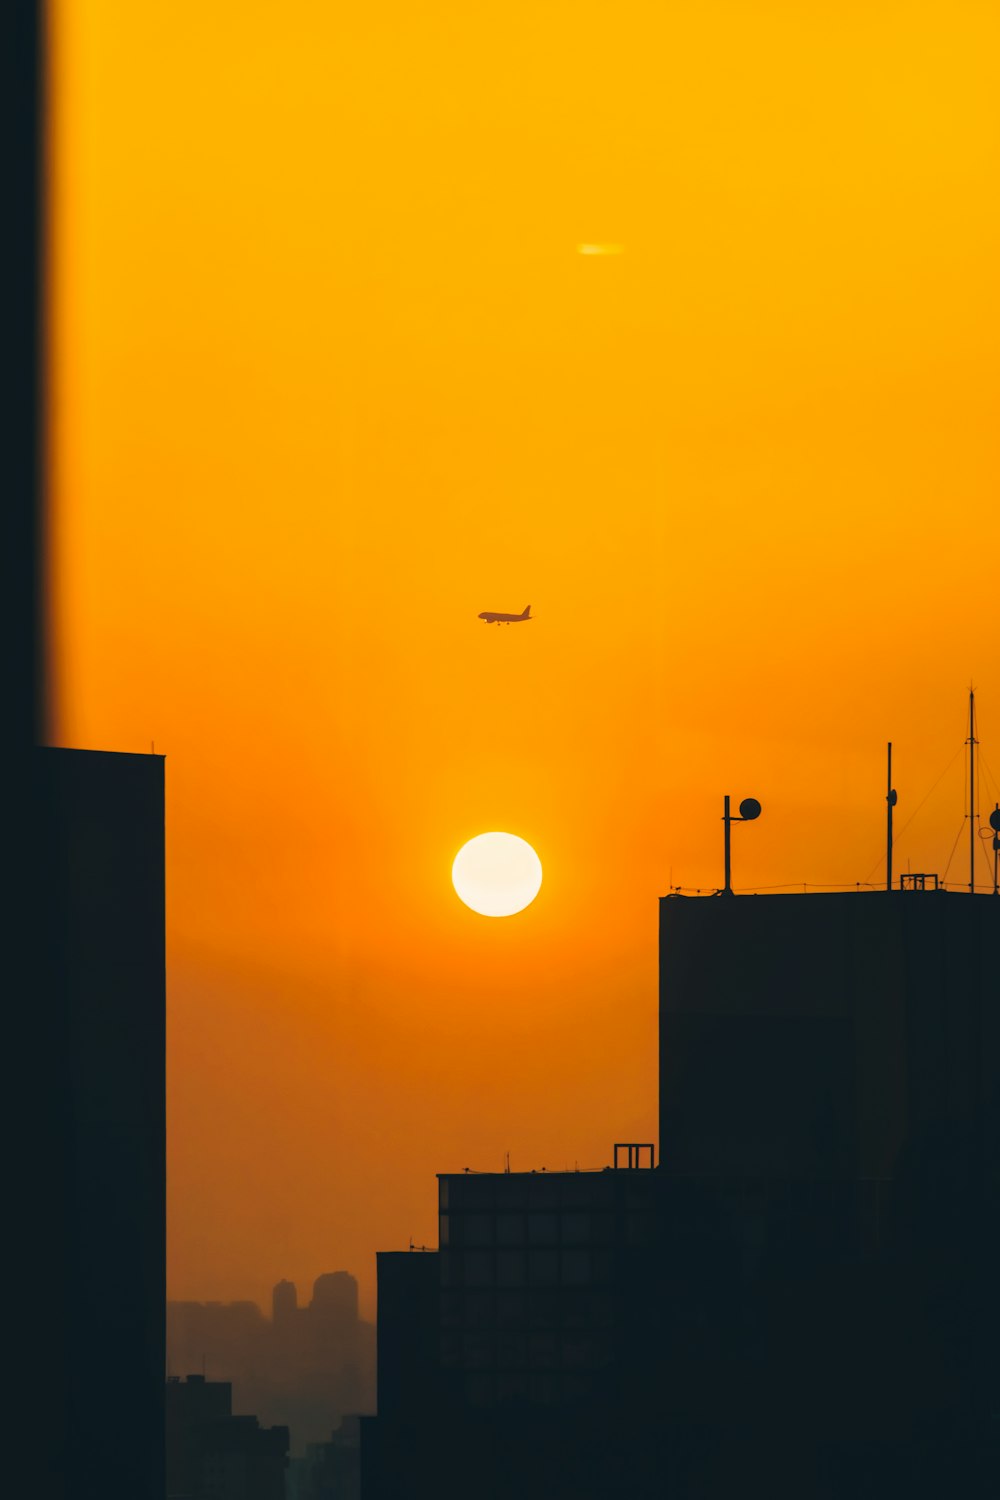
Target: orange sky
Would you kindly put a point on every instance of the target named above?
(328, 377)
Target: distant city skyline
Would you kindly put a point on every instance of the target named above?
(304, 1366)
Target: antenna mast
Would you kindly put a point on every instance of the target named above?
(727, 889)
(890, 798)
(972, 742)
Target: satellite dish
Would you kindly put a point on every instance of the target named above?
(892, 798)
(749, 809)
(995, 821)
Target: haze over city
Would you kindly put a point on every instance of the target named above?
(330, 376)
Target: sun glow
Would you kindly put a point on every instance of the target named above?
(497, 874)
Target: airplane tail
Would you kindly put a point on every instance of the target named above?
(527, 612)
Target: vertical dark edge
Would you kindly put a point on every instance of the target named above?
(22, 105)
(32, 1107)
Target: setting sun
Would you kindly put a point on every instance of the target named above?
(497, 874)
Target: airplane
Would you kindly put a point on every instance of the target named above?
(492, 618)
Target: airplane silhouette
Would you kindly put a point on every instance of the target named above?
(492, 618)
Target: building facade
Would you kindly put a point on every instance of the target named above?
(100, 1126)
(214, 1455)
(531, 1323)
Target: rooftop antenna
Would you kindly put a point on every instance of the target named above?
(890, 798)
(749, 809)
(972, 742)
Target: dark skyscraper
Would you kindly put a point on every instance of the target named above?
(830, 1102)
(533, 1324)
(819, 1035)
(100, 891)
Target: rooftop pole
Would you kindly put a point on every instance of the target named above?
(749, 809)
(727, 889)
(972, 794)
(890, 798)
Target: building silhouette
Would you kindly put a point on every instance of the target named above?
(816, 1036)
(330, 1470)
(533, 1317)
(830, 1088)
(96, 1217)
(799, 1300)
(213, 1455)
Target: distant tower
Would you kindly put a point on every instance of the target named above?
(335, 1296)
(284, 1303)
